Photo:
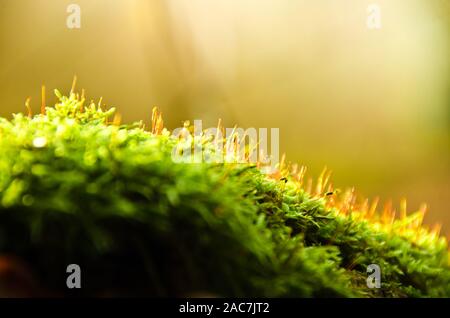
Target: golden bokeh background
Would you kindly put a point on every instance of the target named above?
(372, 105)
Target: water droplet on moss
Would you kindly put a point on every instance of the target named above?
(27, 200)
(39, 142)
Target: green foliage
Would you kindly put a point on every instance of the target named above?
(74, 189)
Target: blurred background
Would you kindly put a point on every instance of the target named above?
(372, 105)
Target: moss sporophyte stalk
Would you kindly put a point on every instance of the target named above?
(79, 187)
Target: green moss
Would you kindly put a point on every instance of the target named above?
(74, 189)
